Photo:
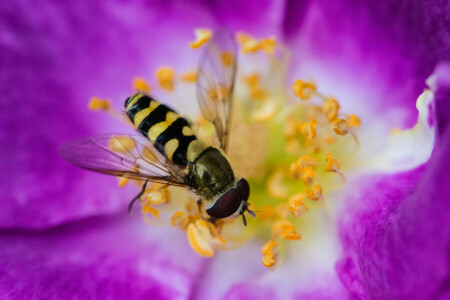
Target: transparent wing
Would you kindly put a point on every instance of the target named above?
(215, 82)
(130, 156)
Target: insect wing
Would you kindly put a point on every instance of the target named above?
(215, 82)
(130, 156)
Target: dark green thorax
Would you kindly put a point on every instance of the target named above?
(211, 173)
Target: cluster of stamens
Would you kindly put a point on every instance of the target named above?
(312, 125)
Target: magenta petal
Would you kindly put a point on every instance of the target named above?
(98, 259)
(397, 236)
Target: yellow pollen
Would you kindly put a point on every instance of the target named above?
(268, 45)
(354, 121)
(297, 202)
(291, 235)
(147, 209)
(269, 246)
(306, 161)
(303, 90)
(268, 259)
(248, 43)
(275, 185)
(99, 104)
(331, 109)
(332, 164)
(123, 181)
(340, 126)
(121, 144)
(308, 175)
(227, 59)
(165, 76)
(140, 85)
(202, 35)
(202, 236)
(308, 129)
(179, 220)
(315, 194)
(189, 77)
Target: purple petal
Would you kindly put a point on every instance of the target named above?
(98, 259)
(55, 57)
(374, 56)
(396, 236)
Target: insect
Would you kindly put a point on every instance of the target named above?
(167, 151)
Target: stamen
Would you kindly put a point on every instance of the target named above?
(268, 45)
(297, 202)
(147, 209)
(316, 194)
(202, 35)
(189, 77)
(179, 220)
(123, 181)
(165, 76)
(308, 175)
(140, 85)
(99, 104)
(340, 126)
(331, 109)
(202, 235)
(354, 121)
(248, 43)
(269, 259)
(303, 90)
(308, 129)
(269, 246)
(333, 165)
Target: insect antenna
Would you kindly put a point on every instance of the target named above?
(130, 206)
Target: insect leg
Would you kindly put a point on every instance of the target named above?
(130, 206)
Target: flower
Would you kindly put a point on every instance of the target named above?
(65, 233)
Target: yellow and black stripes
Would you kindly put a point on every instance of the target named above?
(168, 131)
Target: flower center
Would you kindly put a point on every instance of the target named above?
(289, 146)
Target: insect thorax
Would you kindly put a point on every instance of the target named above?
(211, 173)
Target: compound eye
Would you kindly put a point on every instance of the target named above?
(244, 189)
(226, 205)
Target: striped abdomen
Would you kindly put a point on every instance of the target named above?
(166, 130)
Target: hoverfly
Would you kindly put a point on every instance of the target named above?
(167, 151)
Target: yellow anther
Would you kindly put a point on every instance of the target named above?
(123, 181)
(227, 58)
(165, 76)
(268, 45)
(275, 185)
(331, 109)
(157, 197)
(150, 210)
(253, 83)
(280, 226)
(269, 247)
(303, 90)
(306, 161)
(248, 43)
(315, 194)
(340, 126)
(354, 121)
(99, 104)
(202, 236)
(333, 164)
(179, 220)
(140, 85)
(308, 129)
(189, 77)
(269, 259)
(297, 202)
(290, 235)
(202, 35)
(308, 175)
(251, 80)
(121, 144)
